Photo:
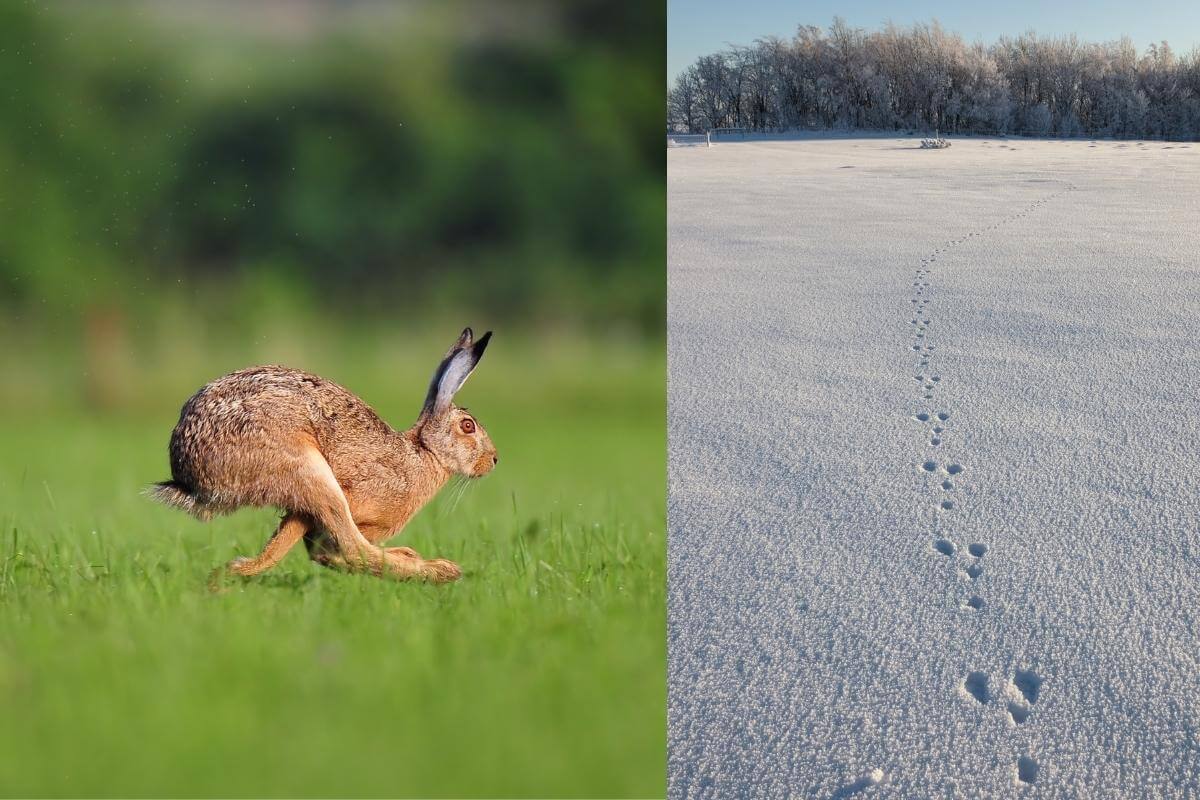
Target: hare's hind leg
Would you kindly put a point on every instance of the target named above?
(401, 562)
(399, 565)
(324, 500)
(438, 570)
(292, 529)
(375, 534)
(320, 495)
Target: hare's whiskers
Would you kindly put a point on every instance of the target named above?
(459, 491)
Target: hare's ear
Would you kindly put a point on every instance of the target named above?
(452, 373)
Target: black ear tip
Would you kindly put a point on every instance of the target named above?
(481, 343)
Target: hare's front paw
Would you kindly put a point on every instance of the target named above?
(406, 552)
(439, 570)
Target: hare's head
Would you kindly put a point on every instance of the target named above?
(453, 435)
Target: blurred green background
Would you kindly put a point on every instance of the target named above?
(191, 188)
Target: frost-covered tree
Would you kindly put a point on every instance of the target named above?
(922, 77)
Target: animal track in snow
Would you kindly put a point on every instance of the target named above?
(1022, 694)
(977, 550)
(1027, 771)
(1017, 696)
(872, 778)
(944, 546)
(973, 571)
(975, 685)
(975, 603)
(1028, 683)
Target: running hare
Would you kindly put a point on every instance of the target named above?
(274, 436)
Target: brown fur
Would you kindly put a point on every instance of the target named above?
(275, 436)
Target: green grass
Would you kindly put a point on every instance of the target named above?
(541, 673)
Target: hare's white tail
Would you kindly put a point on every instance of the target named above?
(177, 495)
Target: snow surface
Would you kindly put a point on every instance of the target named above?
(834, 630)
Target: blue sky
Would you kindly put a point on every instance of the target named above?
(697, 27)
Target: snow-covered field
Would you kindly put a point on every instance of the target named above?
(934, 425)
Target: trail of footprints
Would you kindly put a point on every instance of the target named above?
(1018, 692)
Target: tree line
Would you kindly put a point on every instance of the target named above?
(924, 78)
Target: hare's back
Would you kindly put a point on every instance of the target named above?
(235, 425)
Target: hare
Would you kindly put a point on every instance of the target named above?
(344, 479)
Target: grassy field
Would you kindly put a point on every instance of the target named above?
(541, 673)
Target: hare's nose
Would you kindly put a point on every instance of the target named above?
(495, 460)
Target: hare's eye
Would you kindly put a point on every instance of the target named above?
(467, 425)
